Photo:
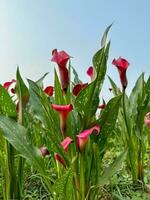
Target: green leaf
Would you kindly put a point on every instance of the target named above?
(87, 101)
(22, 90)
(17, 136)
(7, 106)
(104, 38)
(40, 81)
(61, 185)
(112, 169)
(59, 99)
(76, 77)
(115, 89)
(107, 121)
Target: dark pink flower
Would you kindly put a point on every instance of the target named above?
(44, 151)
(65, 143)
(59, 159)
(147, 120)
(60, 57)
(122, 66)
(8, 84)
(49, 90)
(82, 138)
(90, 72)
(63, 110)
(77, 88)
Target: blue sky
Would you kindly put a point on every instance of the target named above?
(30, 29)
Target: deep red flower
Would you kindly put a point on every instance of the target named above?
(147, 120)
(49, 90)
(82, 138)
(77, 88)
(60, 57)
(59, 159)
(122, 66)
(44, 151)
(8, 84)
(65, 143)
(63, 114)
(90, 72)
(102, 106)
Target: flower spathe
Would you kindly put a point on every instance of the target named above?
(122, 65)
(59, 159)
(77, 88)
(7, 85)
(82, 138)
(66, 142)
(63, 110)
(147, 120)
(49, 90)
(61, 58)
(90, 72)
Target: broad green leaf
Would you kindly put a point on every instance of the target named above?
(108, 120)
(7, 106)
(17, 136)
(137, 94)
(112, 169)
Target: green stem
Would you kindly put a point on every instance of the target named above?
(140, 165)
(129, 140)
(82, 176)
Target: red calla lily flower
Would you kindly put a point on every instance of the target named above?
(63, 114)
(61, 58)
(59, 159)
(65, 143)
(44, 151)
(77, 88)
(90, 72)
(147, 120)
(8, 84)
(122, 66)
(49, 90)
(82, 138)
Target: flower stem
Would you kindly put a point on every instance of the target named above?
(82, 176)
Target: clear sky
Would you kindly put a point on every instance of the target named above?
(30, 29)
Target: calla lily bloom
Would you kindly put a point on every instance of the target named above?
(82, 138)
(63, 114)
(61, 58)
(59, 159)
(65, 143)
(44, 151)
(49, 90)
(8, 84)
(147, 120)
(77, 88)
(90, 72)
(122, 66)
